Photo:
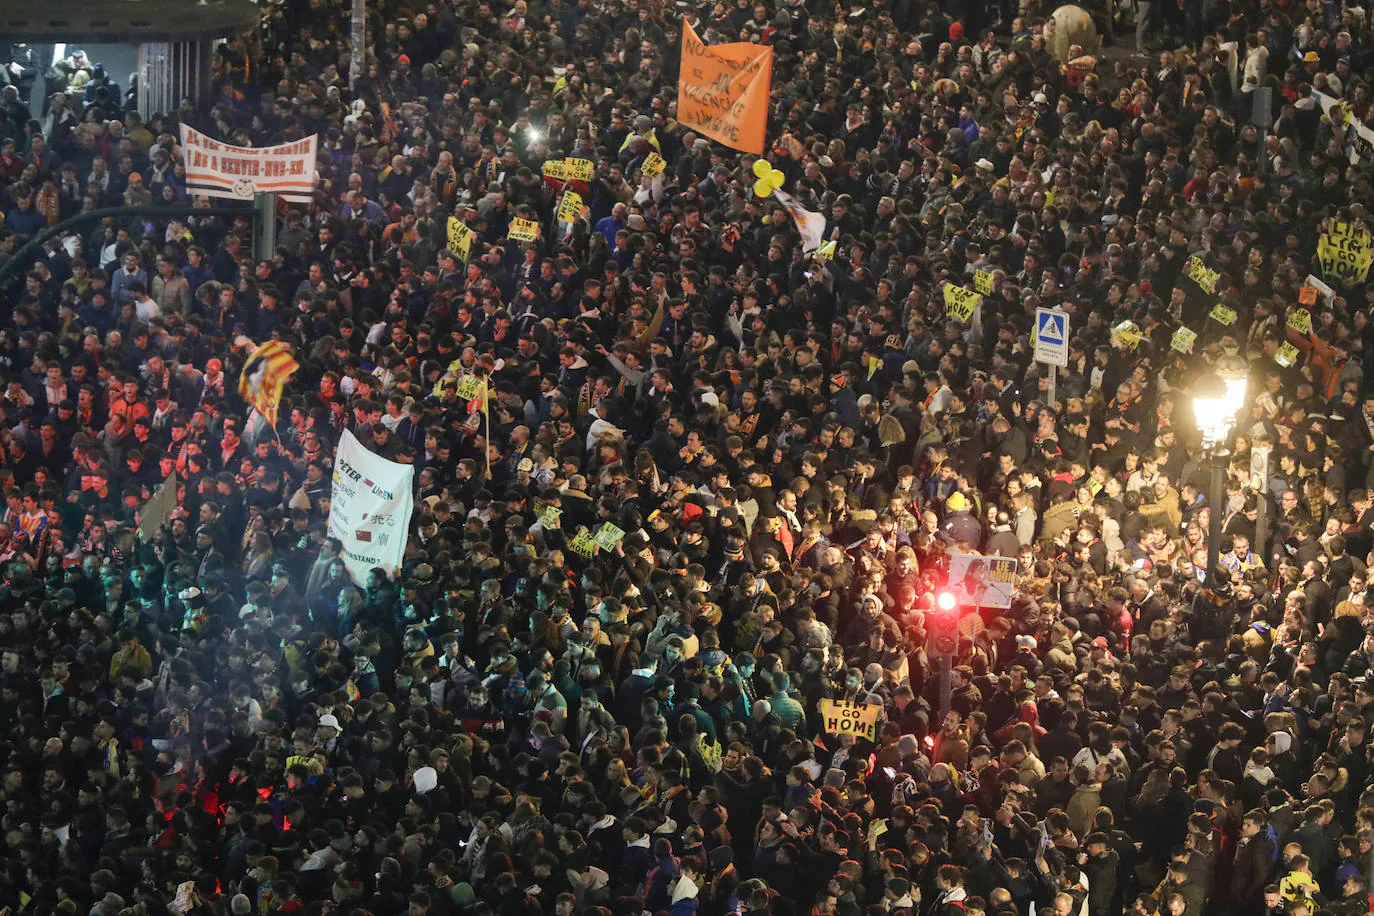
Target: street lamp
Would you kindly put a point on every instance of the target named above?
(1218, 397)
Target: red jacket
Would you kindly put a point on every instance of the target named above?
(1321, 356)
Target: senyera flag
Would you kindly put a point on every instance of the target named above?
(264, 374)
(722, 90)
(219, 170)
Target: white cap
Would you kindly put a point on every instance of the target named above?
(329, 720)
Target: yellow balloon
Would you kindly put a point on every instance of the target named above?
(776, 178)
(762, 167)
(762, 188)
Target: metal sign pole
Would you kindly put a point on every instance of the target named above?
(946, 686)
(266, 205)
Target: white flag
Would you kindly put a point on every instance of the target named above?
(371, 508)
(810, 225)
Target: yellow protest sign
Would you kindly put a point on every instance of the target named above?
(548, 516)
(579, 169)
(524, 230)
(1127, 334)
(1201, 274)
(841, 717)
(570, 208)
(960, 302)
(873, 364)
(1300, 320)
(608, 536)
(982, 282)
(1222, 315)
(1287, 355)
(1346, 229)
(460, 239)
(469, 387)
(556, 168)
(1345, 257)
(582, 544)
(653, 165)
(1183, 340)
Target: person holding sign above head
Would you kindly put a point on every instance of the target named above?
(1326, 354)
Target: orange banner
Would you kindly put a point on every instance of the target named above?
(723, 90)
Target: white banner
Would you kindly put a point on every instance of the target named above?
(982, 581)
(1359, 140)
(371, 507)
(220, 170)
(811, 225)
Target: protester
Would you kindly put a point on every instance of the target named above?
(216, 716)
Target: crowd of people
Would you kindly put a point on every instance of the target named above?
(212, 716)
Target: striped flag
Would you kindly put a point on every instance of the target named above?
(267, 369)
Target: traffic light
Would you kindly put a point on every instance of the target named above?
(942, 634)
(943, 626)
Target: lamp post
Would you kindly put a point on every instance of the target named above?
(1218, 396)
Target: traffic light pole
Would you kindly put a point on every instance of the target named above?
(946, 686)
(944, 639)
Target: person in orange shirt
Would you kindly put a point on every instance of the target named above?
(124, 401)
(409, 234)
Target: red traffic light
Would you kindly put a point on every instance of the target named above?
(945, 601)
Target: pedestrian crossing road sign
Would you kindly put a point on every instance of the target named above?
(1051, 337)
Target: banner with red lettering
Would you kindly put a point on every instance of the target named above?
(219, 170)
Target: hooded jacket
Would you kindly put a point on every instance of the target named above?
(684, 897)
